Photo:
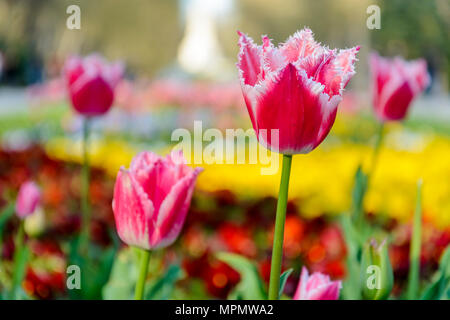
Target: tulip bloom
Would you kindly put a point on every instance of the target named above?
(294, 88)
(91, 82)
(395, 84)
(292, 92)
(317, 286)
(28, 199)
(152, 198)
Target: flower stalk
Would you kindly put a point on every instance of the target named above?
(277, 251)
(376, 151)
(143, 270)
(85, 206)
(358, 209)
(414, 251)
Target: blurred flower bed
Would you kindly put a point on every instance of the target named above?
(219, 220)
(324, 179)
(233, 206)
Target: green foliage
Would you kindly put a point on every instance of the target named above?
(95, 265)
(283, 278)
(439, 287)
(414, 251)
(358, 193)
(123, 279)
(356, 231)
(5, 215)
(378, 283)
(399, 31)
(34, 124)
(251, 287)
(162, 288)
(351, 286)
(22, 254)
(21, 258)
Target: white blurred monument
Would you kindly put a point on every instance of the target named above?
(200, 52)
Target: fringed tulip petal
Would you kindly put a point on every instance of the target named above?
(292, 92)
(249, 59)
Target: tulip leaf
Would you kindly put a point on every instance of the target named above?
(351, 286)
(162, 288)
(123, 278)
(5, 215)
(251, 286)
(283, 278)
(439, 287)
(21, 257)
(95, 265)
(120, 285)
(356, 232)
(358, 193)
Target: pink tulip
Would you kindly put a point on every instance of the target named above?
(28, 199)
(295, 88)
(152, 198)
(91, 82)
(395, 83)
(318, 286)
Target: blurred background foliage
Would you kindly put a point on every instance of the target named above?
(33, 33)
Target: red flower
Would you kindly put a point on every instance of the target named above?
(294, 88)
(237, 239)
(91, 82)
(220, 279)
(395, 83)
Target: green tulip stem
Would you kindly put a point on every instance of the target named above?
(414, 250)
(359, 209)
(20, 235)
(376, 151)
(143, 269)
(18, 245)
(277, 251)
(85, 207)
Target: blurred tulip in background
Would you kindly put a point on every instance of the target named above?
(395, 84)
(28, 199)
(91, 82)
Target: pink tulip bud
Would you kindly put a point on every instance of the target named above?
(294, 88)
(395, 84)
(28, 199)
(318, 286)
(151, 199)
(91, 82)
